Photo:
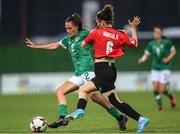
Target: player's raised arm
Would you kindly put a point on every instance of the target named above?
(133, 24)
(49, 46)
(89, 39)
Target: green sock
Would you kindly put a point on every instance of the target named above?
(158, 98)
(115, 113)
(168, 93)
(62, 110)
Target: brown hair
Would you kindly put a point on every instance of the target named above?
(106, 14)
(76, 20)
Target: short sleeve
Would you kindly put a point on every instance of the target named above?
(90, 38)
(171, 46)
(148, 49)
(64, 42)
(128, 41)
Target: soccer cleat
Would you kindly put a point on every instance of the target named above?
(58, 123)
(142, 124)
(173, 102)
(122, 123)
(75, 115)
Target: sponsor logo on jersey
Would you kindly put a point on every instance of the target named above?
(161, 46)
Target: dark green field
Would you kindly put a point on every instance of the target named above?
(16, 112)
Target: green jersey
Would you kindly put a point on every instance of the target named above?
(81, 57)
(159, 51)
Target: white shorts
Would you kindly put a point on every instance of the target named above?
(80, 80)
(161, 76)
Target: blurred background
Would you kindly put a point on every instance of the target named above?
(23, 70)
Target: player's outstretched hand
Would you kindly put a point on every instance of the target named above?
(140, 61)
(136, 21)
(30, 44)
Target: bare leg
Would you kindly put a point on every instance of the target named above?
(99, 99)
(157, 95)
(86, 89)
(155, 85)
(163, 87)
(165, 91)
(65, 88)
(90, 88)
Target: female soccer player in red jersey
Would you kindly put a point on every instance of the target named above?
(108, 45)
(84, 70)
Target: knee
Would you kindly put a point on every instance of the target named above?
(162, 88)
(156, 88)
(59, 91)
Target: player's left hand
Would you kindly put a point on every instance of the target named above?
(136, 21)
(165, 60)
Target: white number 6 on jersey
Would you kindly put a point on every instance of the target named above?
(109, 46)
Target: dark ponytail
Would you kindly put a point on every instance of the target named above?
(106, 14)
(76, 20)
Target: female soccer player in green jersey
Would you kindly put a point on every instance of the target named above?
(163, 52)
(84, 70)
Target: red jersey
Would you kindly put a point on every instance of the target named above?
(109, 42)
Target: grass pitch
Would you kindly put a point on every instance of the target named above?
(16, 112)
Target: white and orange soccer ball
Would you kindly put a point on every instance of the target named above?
(38, 124)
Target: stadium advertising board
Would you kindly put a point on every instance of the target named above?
(48, 82)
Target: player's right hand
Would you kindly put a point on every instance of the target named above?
(30, 44)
